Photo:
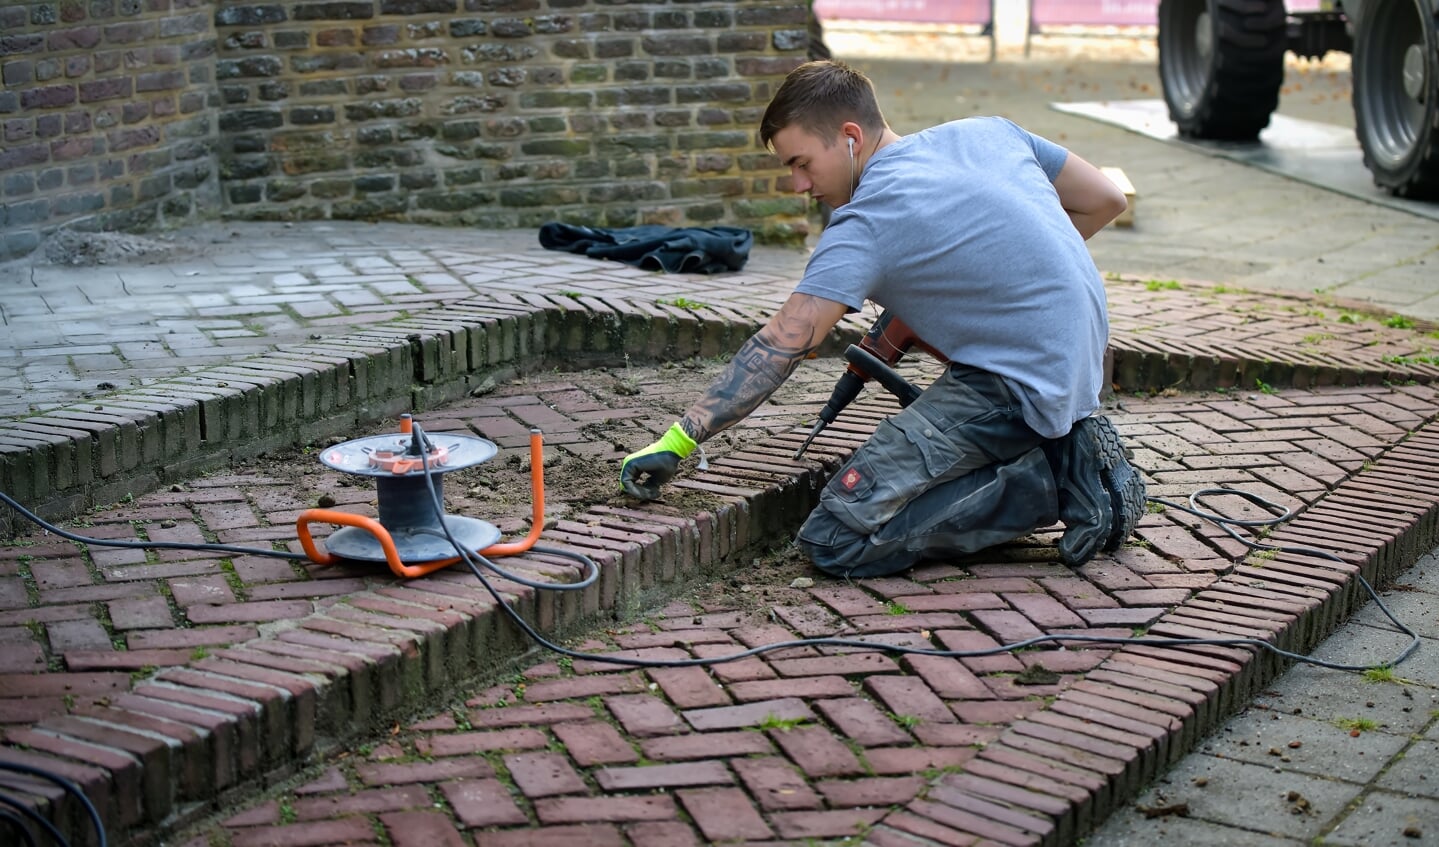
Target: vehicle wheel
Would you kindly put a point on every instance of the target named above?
(1221, 63)
(1396, 96)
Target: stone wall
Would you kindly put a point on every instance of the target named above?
(106, 115)
(120, 114)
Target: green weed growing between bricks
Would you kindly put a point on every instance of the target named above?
(773, 721)
(907, 721)
(1386, 674)
(932, 774)
(27, 579)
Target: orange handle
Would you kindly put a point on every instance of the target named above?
(537, 495)
(374, 527)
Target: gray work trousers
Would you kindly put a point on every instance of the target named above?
(956, 471)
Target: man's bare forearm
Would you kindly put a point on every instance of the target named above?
(750, 378)
(762, 364)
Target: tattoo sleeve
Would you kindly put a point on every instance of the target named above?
(762, 364)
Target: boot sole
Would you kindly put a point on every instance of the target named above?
(1121, 481)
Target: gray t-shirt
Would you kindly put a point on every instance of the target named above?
(959, 232)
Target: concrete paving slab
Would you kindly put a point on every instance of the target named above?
(1305, 743)
(1384, 819)
(1131, 828)
(1391, 707)
(1414, 773)
(1249, 797)
(1419, 610)
(1323, 155)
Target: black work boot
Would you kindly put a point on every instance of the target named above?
(1101, 495)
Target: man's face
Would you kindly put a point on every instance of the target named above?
(824, 171)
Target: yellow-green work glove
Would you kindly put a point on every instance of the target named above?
(644, 471)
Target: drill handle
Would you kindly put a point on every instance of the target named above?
(870, 365)
(850, 383)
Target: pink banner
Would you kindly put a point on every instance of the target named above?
(1096, 12)
(1120, 12)
(918, 11)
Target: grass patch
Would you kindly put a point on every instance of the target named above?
(1357, 725)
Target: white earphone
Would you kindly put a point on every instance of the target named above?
(851, 167)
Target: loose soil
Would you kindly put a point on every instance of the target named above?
(578, 476)
(87, 249)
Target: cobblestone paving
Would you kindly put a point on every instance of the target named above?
(804, 743)
(129, 326)
(824, 743)
(172, 684)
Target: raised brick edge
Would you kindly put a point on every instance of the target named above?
(1139, 711)
(158, 767)
(66, 461)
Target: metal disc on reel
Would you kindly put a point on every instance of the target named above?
(398, 462)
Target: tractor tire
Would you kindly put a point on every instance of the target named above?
(1222, 63)
(1395, 66)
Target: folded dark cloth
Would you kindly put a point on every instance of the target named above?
(672, 249)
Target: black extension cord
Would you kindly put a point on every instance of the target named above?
(17, 818)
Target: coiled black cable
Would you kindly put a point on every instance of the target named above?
(23, 813)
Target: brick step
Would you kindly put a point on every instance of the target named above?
(206, 733)
(63, 462)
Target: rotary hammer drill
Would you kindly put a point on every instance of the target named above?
(873, 358)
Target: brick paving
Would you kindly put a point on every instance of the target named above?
(131, 327)
(241, 700)
(165, 681)
(826, 743)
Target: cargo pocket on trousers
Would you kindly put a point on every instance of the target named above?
(938, 453)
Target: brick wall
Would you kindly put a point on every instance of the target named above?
(105, 115)
(490, 113)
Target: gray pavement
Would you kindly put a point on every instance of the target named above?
(1318, 755)
(171, 303)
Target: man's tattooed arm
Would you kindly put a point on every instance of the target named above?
(762, 364)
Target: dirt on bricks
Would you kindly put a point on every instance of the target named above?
(815, 742)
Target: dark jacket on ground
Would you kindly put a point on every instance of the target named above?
(676, 250)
